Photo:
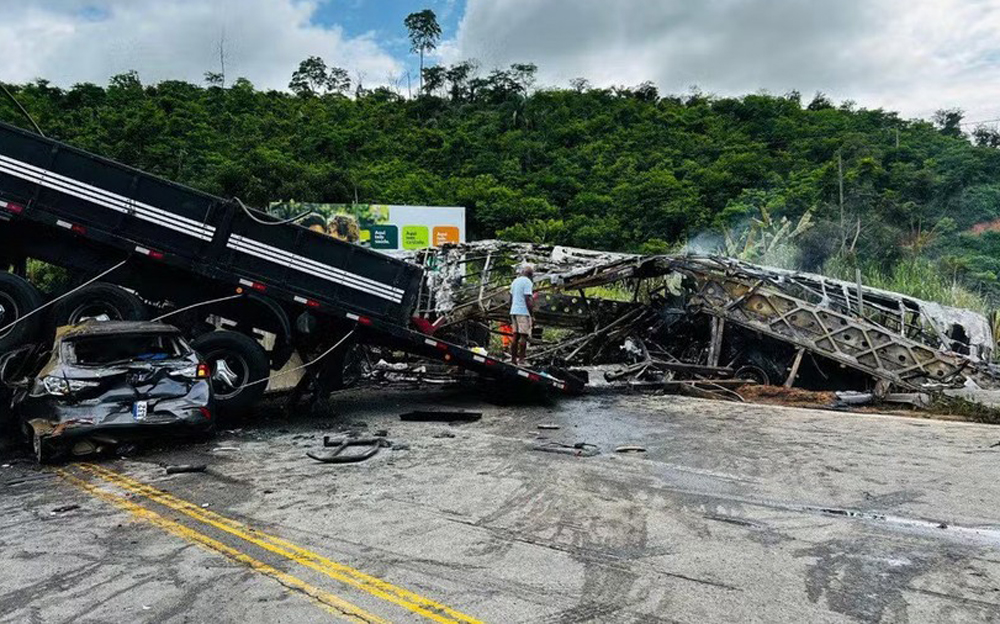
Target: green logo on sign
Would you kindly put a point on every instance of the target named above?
(384, 237)
(415, 237)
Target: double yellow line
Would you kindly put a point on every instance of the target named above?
(411, 601)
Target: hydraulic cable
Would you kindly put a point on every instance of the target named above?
(298, 368)
(195, 305)
(257, 219)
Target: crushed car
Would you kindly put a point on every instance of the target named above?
(102, 384)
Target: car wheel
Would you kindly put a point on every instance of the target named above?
(44, 452)
(17, 298)
(235, 360)
(100, 301)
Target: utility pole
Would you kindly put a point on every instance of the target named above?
(222, 55)
(897, 138)
(840, 180)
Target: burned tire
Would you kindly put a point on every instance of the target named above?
(753, 373)
(17, 298)
(98, 301)
(348, 367)
(235, 360)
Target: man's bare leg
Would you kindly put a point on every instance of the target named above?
(514, 347)
(524, 347)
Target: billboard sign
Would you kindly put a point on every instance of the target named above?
(380, 226)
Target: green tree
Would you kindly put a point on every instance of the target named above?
(949, 121)
(310, 78)
(214, 79)
(424, 33)
(433, 79)
(313, 77)
(338, 81)
(458, 76)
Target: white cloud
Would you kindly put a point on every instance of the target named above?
(70, 41)
(910, 55)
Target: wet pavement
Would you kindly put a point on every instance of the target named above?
(734, 513)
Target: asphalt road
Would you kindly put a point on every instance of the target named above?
(735, 513)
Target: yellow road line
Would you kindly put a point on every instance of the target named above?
(377, 587)
(330, 602)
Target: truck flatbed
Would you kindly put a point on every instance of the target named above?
(74, 209)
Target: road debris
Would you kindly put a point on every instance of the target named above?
(65, 508)
(449, 416)
(183, 468)
(339, 445)
(630, 449)
(580, 449)
(547, 426)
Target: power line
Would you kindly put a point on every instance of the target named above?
(22, 109)
(976, 123)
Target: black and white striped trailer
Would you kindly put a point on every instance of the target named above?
(180, 247)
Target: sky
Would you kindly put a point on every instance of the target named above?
(913, 56)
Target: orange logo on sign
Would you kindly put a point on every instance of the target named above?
(445, 234)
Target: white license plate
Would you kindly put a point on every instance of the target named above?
(139, 410)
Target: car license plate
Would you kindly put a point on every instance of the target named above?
(139, 410)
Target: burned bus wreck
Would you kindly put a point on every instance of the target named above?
(661, 320)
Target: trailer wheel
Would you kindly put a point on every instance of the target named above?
(17, 298)
(99, 301)
(234, 360)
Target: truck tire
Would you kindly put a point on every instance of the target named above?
(235, 360)
(98, 300)
(17, 298)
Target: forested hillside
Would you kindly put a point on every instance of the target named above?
(617, 169)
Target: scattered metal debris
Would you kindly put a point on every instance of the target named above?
(630, 448)
(580, 449)
(339, 445)
(65, 508)
(182, 468)
(450, 416)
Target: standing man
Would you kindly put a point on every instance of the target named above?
(521, 306)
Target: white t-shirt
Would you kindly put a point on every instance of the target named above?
(518, 289)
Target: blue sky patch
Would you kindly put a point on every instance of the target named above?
(384, 18)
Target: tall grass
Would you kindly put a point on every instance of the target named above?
(916, 277)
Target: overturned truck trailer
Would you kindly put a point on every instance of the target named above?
(700, 317)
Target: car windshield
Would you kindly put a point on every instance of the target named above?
(104, 350)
